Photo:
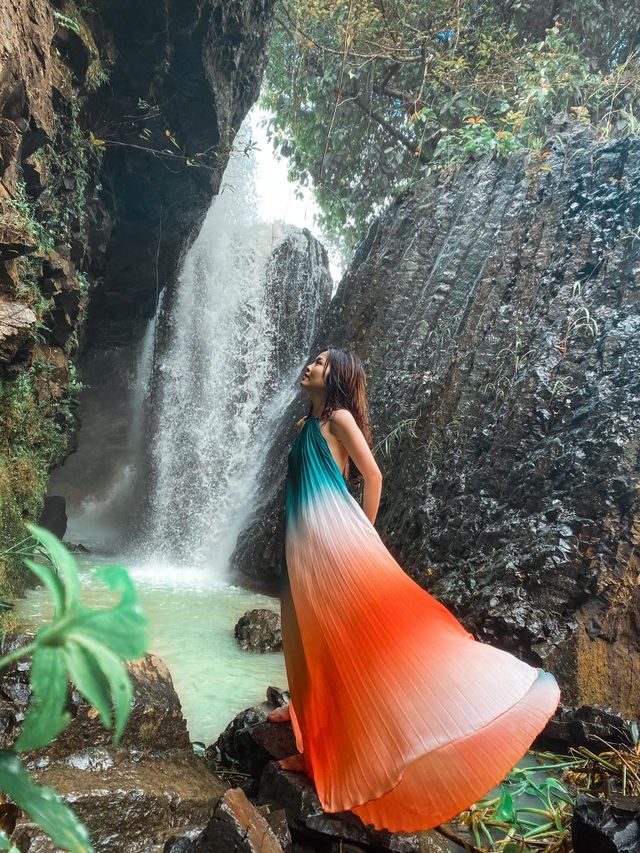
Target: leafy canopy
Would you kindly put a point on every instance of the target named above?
(366, 96)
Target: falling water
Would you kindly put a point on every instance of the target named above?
(217, 376)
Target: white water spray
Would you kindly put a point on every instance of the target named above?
(218, 379)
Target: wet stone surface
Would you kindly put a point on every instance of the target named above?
(131, 797)
(259, 631)
(606, 826)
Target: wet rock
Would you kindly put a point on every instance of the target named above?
(277, 820)
(15, 238)
(237, 827)
(16, 323)
(277, 697)
(259, 631)
(295, 793)
(178, 845)
(132, 797)
(54, 515)
(297, 276)
(511, 490)
(131, 806)
(249, 742)
(589, 726)
(606, 826)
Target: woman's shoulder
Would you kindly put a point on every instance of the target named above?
(301, 423)
(342, 416)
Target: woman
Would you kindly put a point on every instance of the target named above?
(399, 714)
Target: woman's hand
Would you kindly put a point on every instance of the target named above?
(343, 426)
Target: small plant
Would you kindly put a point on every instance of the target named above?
(402, 429)
(579, 319)
(509, 823)
(89, 647)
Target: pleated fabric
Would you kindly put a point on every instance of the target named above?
(401, 716)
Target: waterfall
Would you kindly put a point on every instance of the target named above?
(229, 341)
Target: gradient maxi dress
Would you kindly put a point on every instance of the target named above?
(400, 715)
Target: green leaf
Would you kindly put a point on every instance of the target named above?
(122, 628)
(64, 563)
(46, 717)
(5, 843)
(52, 582)
(87, 675)
(44, 806)
(103, 679)
(505, 810)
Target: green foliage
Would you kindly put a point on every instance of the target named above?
(5, 843)
(366, 97)
(89, 646)
(533, 811)
(65, 21)
(401, 430)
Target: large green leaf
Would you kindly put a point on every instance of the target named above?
(52, 582)
(119, 684)
(86, 673)
(46, 717)
(64, 562)
(505, 810)
(89, 644)
(122, 628)
(44, 806)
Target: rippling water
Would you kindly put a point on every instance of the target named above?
(192, 621)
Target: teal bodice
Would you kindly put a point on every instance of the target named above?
(312, 470)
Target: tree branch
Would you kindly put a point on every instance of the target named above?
(391, 130)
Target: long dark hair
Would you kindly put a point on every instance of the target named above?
(346, 384)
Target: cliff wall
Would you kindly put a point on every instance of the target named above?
(497, 310)
(116, 123)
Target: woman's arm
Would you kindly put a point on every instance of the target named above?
(342, 424)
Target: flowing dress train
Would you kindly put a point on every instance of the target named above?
(400, 715)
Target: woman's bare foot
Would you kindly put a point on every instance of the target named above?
(295, 763)
(280, 715)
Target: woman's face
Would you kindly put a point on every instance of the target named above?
(312, 378)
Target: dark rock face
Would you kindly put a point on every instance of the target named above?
(586, 726)
(259, 631)
(132, 797)
(188, 72)
(237, 826)
(54, 515)
(496, 309)
(249, 742)
(606, 826)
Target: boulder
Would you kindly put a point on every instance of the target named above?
(588, 725)
(259, 631)
(133, 797)
(606, 826)
(237, 827)
(295, 793)
(54, 515)
(249, 742)
(16, 324)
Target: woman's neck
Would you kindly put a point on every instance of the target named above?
(318, 403)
